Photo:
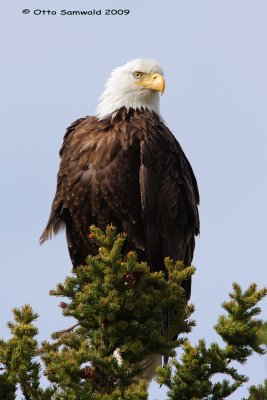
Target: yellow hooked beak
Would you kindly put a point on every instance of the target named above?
(153, 82)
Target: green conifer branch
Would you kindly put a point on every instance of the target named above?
(118, 305)
(18, 359)
(7, 389)
(258, 392)
(243, 335)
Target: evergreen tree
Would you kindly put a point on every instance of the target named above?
(119, 306)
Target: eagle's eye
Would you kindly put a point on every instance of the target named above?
(138, 74)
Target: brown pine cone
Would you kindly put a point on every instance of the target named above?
(63, 305)
(89, 373)
(131, 280)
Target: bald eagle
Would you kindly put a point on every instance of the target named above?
(124, 166)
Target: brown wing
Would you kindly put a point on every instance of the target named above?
(55, 222)
(98, 183)
(130, 171)
(169, 197)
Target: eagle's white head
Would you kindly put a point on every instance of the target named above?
(134, 85)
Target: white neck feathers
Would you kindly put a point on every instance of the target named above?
(110, 103)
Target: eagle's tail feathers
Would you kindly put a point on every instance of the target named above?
(54, 225)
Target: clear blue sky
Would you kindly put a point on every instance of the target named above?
(53, 71)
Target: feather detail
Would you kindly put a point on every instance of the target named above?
(128, 170)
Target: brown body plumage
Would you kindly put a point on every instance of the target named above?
(129, 170)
